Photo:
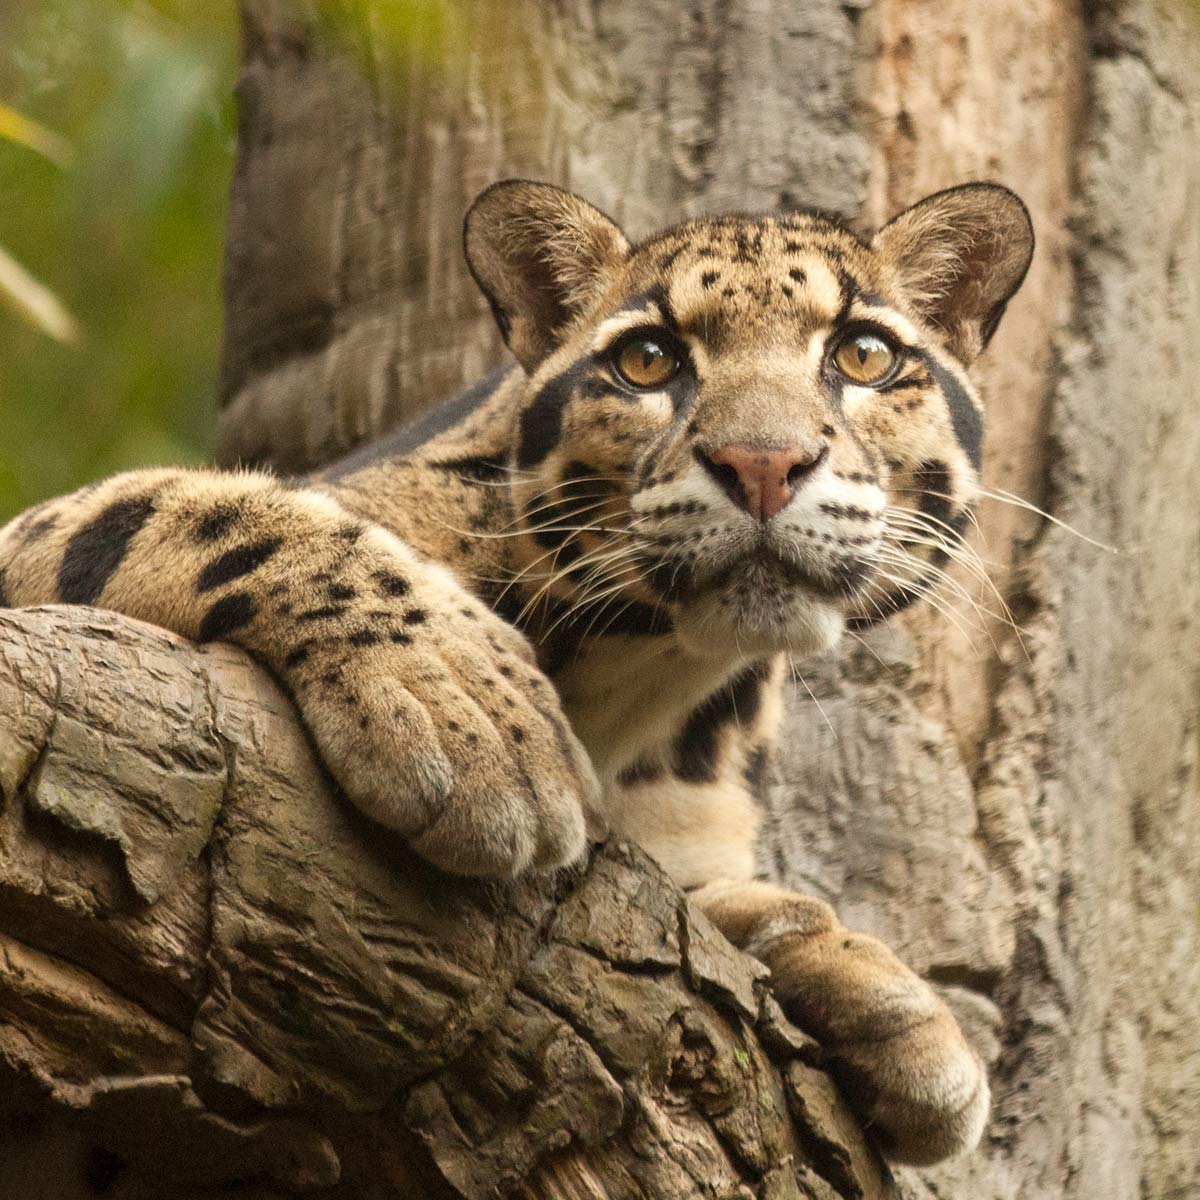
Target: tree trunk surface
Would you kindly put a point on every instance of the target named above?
(217, 979)
(203, 943)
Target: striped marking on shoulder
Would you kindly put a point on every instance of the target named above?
(94, 552)
(235, 563)
(228, 614)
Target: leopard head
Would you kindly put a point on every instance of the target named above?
(759, 429)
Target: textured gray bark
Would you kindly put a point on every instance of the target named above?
(217, 979)
(1018, 816)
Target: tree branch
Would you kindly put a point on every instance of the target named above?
(216, 973)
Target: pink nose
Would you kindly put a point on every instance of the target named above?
(761, 480)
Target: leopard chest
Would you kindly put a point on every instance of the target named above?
(628, 698)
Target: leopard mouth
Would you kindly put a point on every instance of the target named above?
(766, 572)
(765, 567)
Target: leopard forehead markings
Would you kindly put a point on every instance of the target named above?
(755, 304)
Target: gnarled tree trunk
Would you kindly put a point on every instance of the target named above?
(216, 976)
(1016, 814)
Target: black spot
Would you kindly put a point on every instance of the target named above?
(415, 616)
(96, 551)
(229, 613)
(297, 656)
(38, 529)
(518, 734)
(340, 591)
(324, 613)
(668, 260)
(849, 512)
(233, 564)
(391, 584)
(364, 637)
(697, 745)
(708, 279)
(639, 772)
(217, 521)
(332, 678)
(797, 276)
(400, 637)
(755, 771)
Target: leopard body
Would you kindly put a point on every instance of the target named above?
(565, 601)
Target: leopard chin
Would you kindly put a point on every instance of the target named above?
(759, 617)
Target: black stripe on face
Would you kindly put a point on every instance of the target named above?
(478, 469)
(964, 416)
(889, 605)
(540, 425)
(669, 577)
(932, 482)
(850, 291)
(698, 744)
(229, 613)
(607, 618)
(233, 564)
(95, 552)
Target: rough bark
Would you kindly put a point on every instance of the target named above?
(217, 979)
(1016, 814)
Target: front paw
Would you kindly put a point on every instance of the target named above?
(444, 729)
(886, 1036)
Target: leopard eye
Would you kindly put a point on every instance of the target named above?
(646, 361)
(864, 358)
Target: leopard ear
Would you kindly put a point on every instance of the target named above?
(959, 256)
(537, 253)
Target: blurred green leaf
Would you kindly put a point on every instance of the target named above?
(17, 127)
(128, 238)
(34, 302)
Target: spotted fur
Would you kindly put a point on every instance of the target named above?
(564, 599)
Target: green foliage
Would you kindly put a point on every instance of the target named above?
(123, 225)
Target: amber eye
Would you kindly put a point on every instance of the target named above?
(864, 358)
(647, 361)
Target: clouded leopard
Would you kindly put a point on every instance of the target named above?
(565, 598)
